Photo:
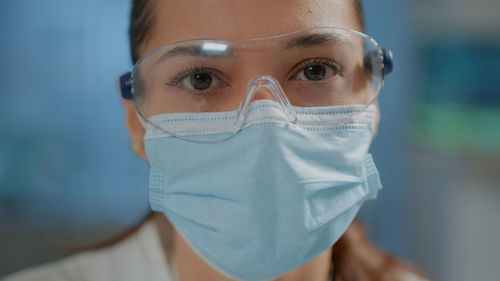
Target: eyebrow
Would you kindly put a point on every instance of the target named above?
(305, 41)
(312, 40)
(196, 51)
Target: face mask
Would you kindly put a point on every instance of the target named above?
(271, 197)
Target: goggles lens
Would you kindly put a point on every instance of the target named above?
(316, 67)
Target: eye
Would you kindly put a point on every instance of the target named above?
(318, 70)
(198, 79)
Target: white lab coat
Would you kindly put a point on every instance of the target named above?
(138, 257)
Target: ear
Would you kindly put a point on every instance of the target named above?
(135, 128)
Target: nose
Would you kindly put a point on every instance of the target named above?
(263, 92)
(264, 88)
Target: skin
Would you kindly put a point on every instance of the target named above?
(229, 19)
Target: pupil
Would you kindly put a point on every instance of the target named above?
(315, 72)
(201, 81)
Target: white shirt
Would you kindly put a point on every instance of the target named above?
(138, 257)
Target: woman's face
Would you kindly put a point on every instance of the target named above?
(230, 19)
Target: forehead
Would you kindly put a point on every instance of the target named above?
(236, 19)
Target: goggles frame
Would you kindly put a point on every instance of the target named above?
(126, 79)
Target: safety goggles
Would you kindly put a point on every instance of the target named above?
(316, 67)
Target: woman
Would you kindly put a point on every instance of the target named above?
(257, 140)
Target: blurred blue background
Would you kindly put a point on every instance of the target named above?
(67, 172)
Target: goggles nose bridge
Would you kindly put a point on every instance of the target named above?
(263, 88)
(262, 92)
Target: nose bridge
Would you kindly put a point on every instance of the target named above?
(263, 91)
(264, 88)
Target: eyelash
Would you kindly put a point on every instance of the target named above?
(178, 78)
(318, 61)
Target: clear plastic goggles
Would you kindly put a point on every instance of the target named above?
(317, 67)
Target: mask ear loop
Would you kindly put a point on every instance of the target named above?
(376, 121)
(140, 118)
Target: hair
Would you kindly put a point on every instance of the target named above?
(358, 9)
(142, 21)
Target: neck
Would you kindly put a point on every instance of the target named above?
(192, 268)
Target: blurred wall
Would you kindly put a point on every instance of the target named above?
(387, 217)
(66, 169)
(454, 138)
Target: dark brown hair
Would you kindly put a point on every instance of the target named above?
(142, 20)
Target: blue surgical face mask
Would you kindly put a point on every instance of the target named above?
(271, 197)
